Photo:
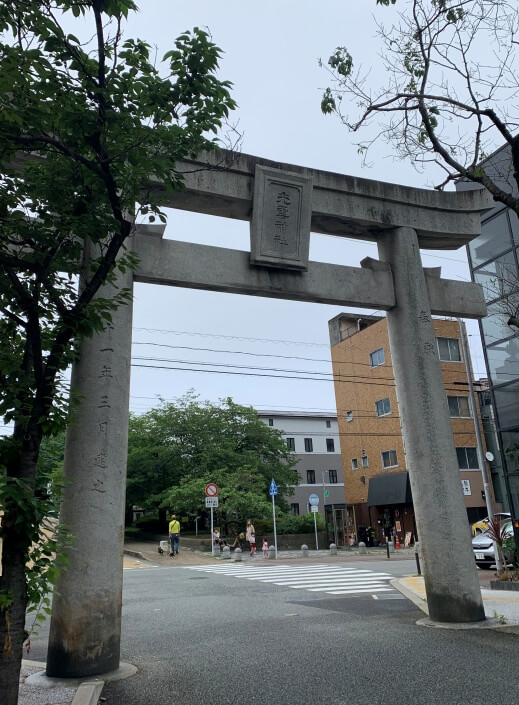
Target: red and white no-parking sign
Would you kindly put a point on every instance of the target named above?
(211, 490)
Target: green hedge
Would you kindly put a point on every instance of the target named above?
(289, 524)
(151, 523)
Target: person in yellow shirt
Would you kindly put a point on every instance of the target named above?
(174, 535)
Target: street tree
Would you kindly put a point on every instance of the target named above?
(450, 93)
(177, 448)
(84, 124)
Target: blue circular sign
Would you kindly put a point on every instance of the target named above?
(314, 500)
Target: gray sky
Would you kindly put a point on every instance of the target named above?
(271, 56)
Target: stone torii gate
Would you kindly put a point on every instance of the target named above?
(284, 203)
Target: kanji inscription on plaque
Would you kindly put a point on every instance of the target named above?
(281, 216)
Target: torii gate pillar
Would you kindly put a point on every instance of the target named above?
(85, 630)
(452, 585)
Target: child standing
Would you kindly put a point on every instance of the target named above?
(252, 543)
(265, 548)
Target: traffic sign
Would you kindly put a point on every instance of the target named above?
(273, 489)
(327, 493)
(314, 500)
(314, 508)
(211, 490)
(211, 502)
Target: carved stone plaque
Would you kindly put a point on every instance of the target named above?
(281, 216)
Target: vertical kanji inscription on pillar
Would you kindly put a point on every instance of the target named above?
(281, 217)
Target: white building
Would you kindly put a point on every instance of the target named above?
(313, 438)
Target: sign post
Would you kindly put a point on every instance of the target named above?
(211, 500)
(273, 490)
(314, 506)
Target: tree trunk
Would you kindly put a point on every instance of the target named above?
(12, 618)
(17, 532)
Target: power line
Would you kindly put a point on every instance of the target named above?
(235, 352)
(249, 374)
(232, 337)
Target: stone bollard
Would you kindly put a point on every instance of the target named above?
(238, 554)
(362, 548)
(226, 552)
(391, 547)
(304, 549)
(333, 549)
(272, 551)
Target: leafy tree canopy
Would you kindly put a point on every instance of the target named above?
(177, 448)
(86, 125)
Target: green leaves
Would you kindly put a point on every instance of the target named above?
(178, 448)
(86, 126)
(341, 61)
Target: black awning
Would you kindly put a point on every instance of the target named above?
(389, 489)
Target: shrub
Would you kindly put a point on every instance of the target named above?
(298, 523)
(151, 523)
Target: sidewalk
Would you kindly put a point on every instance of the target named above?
(501, 606)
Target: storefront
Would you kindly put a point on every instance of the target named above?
(390, 509)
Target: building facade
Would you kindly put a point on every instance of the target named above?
(313, 439)
(494, 263)
(375, 474)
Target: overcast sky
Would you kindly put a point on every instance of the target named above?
(271, 51)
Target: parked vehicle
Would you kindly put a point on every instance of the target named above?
(483, 548)
(482, 525)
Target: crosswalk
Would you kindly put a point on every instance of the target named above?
(329, 579)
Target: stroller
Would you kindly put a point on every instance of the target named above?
(164, 547)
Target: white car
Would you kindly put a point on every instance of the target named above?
(483, 548)
(478, 527)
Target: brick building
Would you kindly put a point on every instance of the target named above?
(376, 481)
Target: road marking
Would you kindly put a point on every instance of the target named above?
(330, 579)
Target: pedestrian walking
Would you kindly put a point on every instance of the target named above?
(174, 535)
(250, 536)
(265, 548)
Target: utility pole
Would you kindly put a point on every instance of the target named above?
(489, 497)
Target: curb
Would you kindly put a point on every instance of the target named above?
(88, 694)
(412, 596)
(136, 554)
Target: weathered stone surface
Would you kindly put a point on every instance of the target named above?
(280, 224)
(451, 581)
(222, 183)
(218, 269)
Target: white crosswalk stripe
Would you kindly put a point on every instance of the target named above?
(330, 579)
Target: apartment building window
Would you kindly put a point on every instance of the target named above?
(376, 358)
(271, 422)
(294, 508)
(349, 416)
(354, 463)
(332, 475)
(328, 423)
(467, 458)
(389, 459)
(383, 407)
(365, 463)
(330, 445)
(449, 349)
(459, 407)
(291, 443)
(309, 445)
(310, 477)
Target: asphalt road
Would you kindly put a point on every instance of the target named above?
(200, 637)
